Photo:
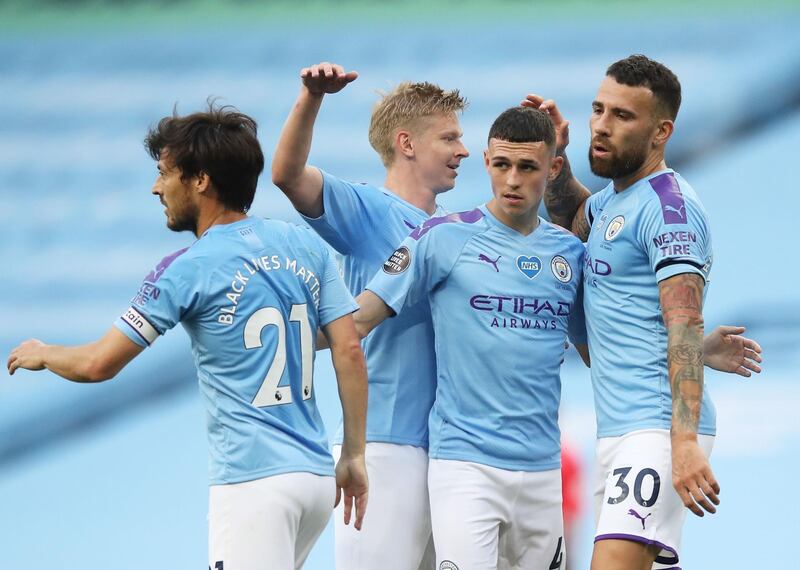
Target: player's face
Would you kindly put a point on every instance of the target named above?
(176, 195)
(519, 173)
(622, 126)
(438, 151)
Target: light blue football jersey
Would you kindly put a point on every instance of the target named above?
(251, 295)
(651, 231)
(501, 304)
(365, 224)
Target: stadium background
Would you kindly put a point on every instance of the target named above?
(113, 476)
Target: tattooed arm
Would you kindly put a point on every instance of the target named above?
(564, 197)
(682, 304)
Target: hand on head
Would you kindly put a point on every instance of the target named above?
(549, 106)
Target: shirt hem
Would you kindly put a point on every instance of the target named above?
(508, 466)
(387, 439)
(638, 427)
(253, 475)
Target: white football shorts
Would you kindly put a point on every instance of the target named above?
(634, 497)
(396, 532)
(269, 523)
(486, 518)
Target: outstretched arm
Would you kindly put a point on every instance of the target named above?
(351, 377)
(302, 183)
(727, 351)
(371, 312)
(564, 196)
(94, 362)
(681, 299)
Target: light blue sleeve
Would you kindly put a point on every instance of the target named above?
(350, 213)
(415, 268)
(675, 247)
(576, 326)
(161, 303)
(335, 300)
(590, 207)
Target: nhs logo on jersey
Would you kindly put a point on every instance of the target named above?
(529, 266)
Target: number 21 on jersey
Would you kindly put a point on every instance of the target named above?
(270, 394)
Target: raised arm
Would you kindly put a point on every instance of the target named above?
(351, 377)
(564, 196)
(681, 299)
(302, 183)
(93, 362)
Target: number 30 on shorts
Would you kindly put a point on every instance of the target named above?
(270, 394)
(622, 474)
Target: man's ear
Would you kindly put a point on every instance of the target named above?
(404, 144)
(556, 164)
(201, 183)
(665, 127)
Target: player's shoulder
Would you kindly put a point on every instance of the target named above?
(364, 188)
(670, 196)
(174, 263)
(456, 224)
(562, 236)
(599, 198)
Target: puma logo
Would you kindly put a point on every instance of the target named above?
(680, 211)
(483, 257)
(638, 516)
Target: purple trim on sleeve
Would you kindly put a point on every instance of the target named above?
(660, 559)
(469, 217)
(669, 193)
(156, 273)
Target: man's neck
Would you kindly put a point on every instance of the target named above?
(408, 187)
(651, 165)
(216, 216)
(524, 224)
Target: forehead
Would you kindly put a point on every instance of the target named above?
(535, 151)
(618, 95)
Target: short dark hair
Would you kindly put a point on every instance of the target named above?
(523, 124)
(221, 142)
(641, 71)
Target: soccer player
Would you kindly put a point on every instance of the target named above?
(647, 264)
(415, 130)
(503, 287)
(251, 294)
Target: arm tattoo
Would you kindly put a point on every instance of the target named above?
(581, 226)
(681, 303)
(564, 195)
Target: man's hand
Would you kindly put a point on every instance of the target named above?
(726, 351)
(28, 355)
(692, 476)
(326, 78)
(549, 106)
(351, 477)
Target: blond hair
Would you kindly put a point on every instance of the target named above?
(402, 107)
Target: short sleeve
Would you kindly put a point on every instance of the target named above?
(674, 232)
(335, 300)
(590, 208)
(576, 327)
(415, 268)
(350, 211)
(163, 300)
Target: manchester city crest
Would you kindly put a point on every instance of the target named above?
(614, 227)
(561, 269)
